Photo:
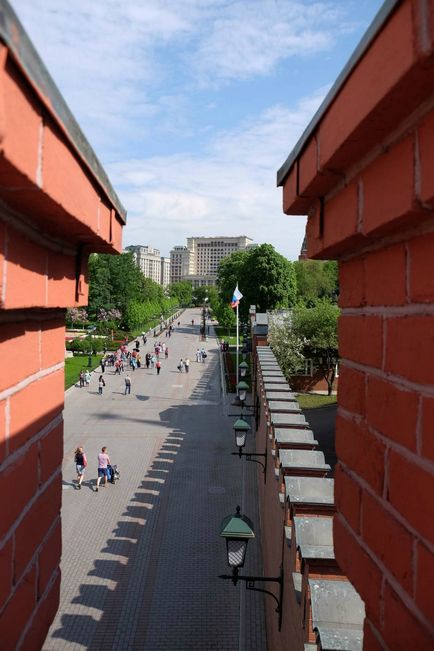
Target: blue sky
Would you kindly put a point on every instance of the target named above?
(193, 105)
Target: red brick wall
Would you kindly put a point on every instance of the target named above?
(54, 212)
(378, 220)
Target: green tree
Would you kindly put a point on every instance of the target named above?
(316, 280)
(265, 278)
(183, 292)
(317, 328)
(225, 315)
(287, 345)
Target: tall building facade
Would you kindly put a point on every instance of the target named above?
(199, 260)
(151, 263)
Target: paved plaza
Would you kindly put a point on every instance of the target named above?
(141, 559)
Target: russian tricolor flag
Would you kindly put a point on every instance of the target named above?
(236, 297)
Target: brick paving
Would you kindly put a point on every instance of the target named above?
(141, 559)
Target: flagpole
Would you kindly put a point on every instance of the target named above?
(238, 343)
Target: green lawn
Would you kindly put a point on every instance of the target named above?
(222, 333)
(314, 400)
(73, 366)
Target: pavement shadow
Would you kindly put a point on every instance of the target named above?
(163, 557)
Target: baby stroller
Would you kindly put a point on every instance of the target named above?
(113, 474)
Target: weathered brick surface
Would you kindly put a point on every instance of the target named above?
(384, 532)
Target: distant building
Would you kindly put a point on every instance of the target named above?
(199, 260)
(151, 263)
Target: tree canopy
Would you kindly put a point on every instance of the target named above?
(183, 291)
(316, 280)
(265, 278)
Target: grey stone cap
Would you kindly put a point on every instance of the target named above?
(310, 490)
(325, 552)
(314, 531)
(289, 420)
(309, 459)
(292, 435)
(280, 386)
(339, 639)
(281, 396)
(335, 605)
(288, 407)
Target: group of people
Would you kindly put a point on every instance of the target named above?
(105, 469)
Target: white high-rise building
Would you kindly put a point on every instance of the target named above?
(199, 260)
(151, 263)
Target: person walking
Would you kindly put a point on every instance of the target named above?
(203, 355)
(166, 352)
(180, 365)
(101, 384)
(127, 384)
(87, 378)
(198, 355)
(158, 367)
(103, 363)
(103, 462)
(187, 364)
(81, 378)
(80, 466)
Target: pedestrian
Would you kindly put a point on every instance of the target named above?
(86, 377)
(158, 367)
(138, 344)
(180, 365)
(198, 355)
(81, 378)
(147, 359)
(179, 323)
(103, 363)
(192, 322)
(80, 466)
(127, 384)
(101, 384)
(103, 462)
(187, 364)
(203, 355)
(166, 352)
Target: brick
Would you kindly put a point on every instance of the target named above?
(3, 441)
(388, 539)
(352, 285)
(66, 181)
(340, 217)
(51, 453)
(392, 411)
(360, 339)
(426, 145)
(361, 452)
(425, 581)
(382, 66)
(2, 258)
(18, 610)
(44, 615)
(314, 240)
(360, 569)
(370, 639)
(401, 628)
(61, 280)
(308, 166)
(18, 484)
(406, 338)
(34, 407)
(389, 265)
(6, 571)
(347, 498)
(420, 256)
(19, 351)
(410, 491)
(26, 268)
(289, 194)
(20, 143)
(35, 525)
(389, 189)
(427, 428)
(351, 389)
(49, 558)
(52, 342)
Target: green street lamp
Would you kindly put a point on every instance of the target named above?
(243, 368)
(242, 387)
(237, 530)
(241, 427)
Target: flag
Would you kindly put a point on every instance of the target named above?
(236, 297)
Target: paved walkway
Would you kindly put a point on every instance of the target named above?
(141, 559)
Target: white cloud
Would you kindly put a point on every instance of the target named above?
(230, 189)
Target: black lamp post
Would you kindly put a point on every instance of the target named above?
(241, 427)
(237, 530)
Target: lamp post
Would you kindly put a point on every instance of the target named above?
(237, 530)
(243, 368)
(241, 428)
